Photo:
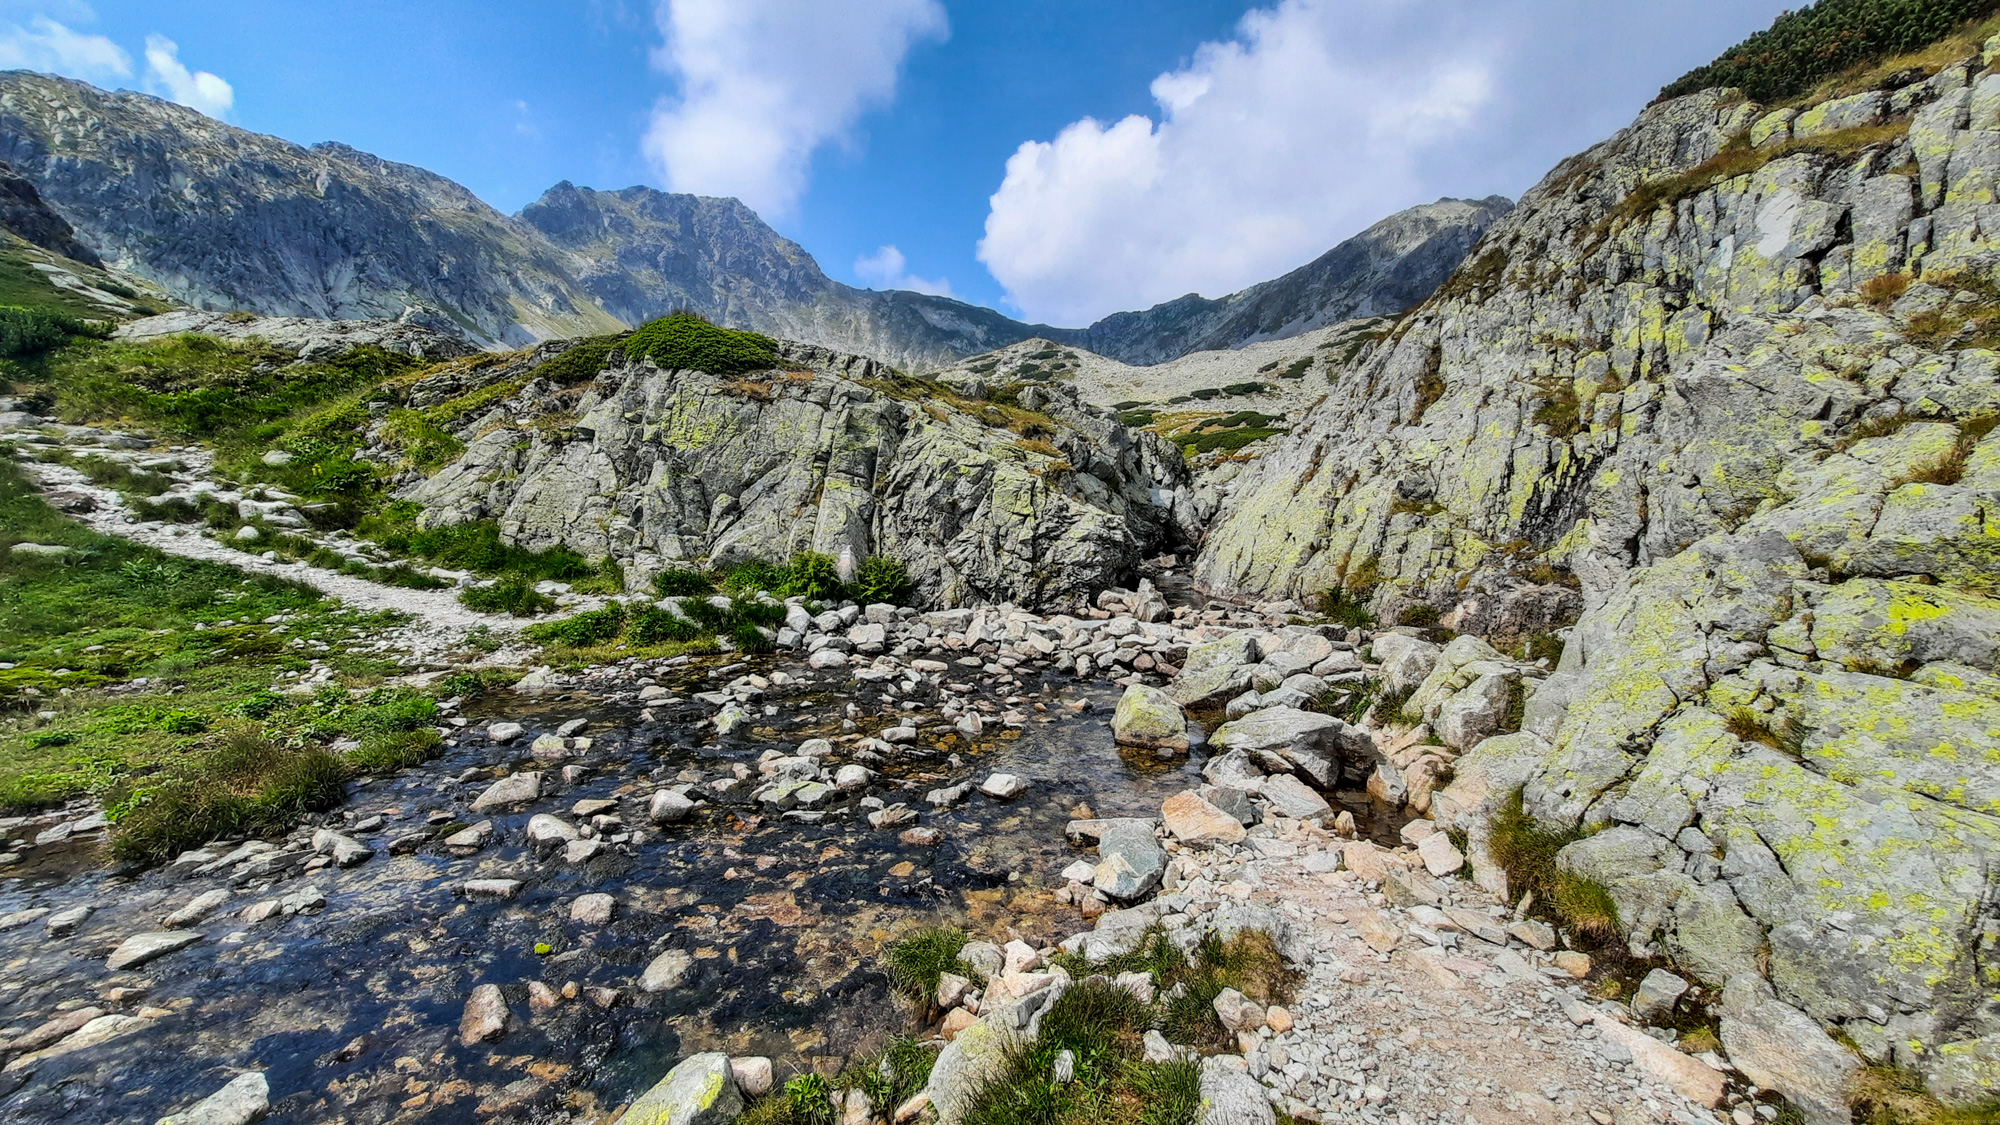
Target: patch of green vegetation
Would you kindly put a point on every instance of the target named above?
(422, 442)
(892, 1075)
(1420, 615)
(1227, 440)
(26, 331)
(1526, 851)
(1479, 276)
(1559, 409)
(1137, 418)
(808, 574)
(209, 640)
(676, 581)
(580, 362)
(1787, 737)
(915, 963)
(1887, 1095)
(1348, 607)
(1543, 646)
(1297, 368)
(686, 342)
(24, 286)
(1808, 44)
(478, 547)
(1430, 385)
(513, 596)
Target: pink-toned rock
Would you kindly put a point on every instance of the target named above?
(1368, 861)
(1690, 1077)
(1374, 929)
(485, 1017)
(955, 1021)
(1193, 820)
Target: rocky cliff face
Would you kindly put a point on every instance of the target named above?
(1382, 271)
(23, 212)
(1042, 505)
(1734, 370)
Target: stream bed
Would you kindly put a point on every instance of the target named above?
(353, 1011)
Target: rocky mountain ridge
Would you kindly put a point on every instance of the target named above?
(1725, 384)
(348, 235)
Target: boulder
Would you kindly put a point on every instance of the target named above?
(666, 971)
(669, 807)
(1004, 786)
(1406, 661)
(1194, 821)
(485, 1017)
(982, 1052)
(1215, 671)
(1287, 739)
(1658, 992)
(1130, 862)
(1781, 1048)
(1291, 797)
(138, 949)
(1468, 717)
(1229, 1096)
(1148, 717)
(700, 1090)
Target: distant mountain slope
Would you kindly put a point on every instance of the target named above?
(223, 218)
(650, 252)
(1392, 266)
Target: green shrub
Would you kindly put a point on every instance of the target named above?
(31, 331)
(1420, 616)
(579, 363)
(680, 582)
(882, 579)
(385, 751)
(1347, 607)
(425, 445)
(1806, 45)
(588, 628)
(510, 596)
(651, 625)
(1227, 440)
(685, 342)
(811, 575)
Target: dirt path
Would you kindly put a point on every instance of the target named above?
(438, 624)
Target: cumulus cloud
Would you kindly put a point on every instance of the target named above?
(45, 45)
(1315, 119)
(198, 90)
(886, 268)
(763, 84)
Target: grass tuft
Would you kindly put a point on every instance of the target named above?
(916, 962)
(1527, 853)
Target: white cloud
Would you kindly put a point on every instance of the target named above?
(198, 90)
(1314, 120)
(1267, 148)
(49, 46)
(765, 83)
(887, 269)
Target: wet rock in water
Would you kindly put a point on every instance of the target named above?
(592, 909)
(21, 918)
(549, 748)
(701, 1090)
(502, 733)
(66, 921)
(243, 1100)
(752, 1074)
(666, 971)
(544, 828)
(582, 851)
(921, 837)
(669, 807)
(1229, 1096)
(1658, 992)
(1130, 862)
(730, 720)
(1148, 717)
(468, 840)
(197, 908)
(56, 1028)
(895, 816)
(491, 888)
(1004, 786)
(486, 1016)
(514, 789)
(103, 1029)
(1194, 821)
(852, 777)
(949, 796)
(141, 948)
(345, 850)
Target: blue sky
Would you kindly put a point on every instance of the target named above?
(1058, 160)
